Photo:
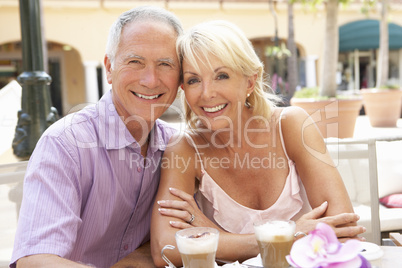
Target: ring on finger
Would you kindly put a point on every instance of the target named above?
(191, 219)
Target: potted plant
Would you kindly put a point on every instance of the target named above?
(334, 116)
(383, 105)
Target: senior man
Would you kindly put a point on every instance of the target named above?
(93, 175)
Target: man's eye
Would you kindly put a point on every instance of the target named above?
(135, 61)
(165, 64)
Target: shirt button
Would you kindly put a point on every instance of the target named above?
(125, 247)
(138, 169)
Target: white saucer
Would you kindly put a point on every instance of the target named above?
(371, 251)
(256, 261)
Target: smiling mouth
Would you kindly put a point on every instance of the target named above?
(145, 97)
(214, 109)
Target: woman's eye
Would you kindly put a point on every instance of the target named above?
(222, 76)
(192, 81)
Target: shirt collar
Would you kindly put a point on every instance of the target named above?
(157, 139)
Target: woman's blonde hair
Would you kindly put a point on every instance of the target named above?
(228, 43)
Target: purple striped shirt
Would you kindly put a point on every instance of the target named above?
(88, 193)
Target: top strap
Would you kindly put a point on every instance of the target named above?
(281, 135)
(196, 150)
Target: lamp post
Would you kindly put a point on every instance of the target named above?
(36, 112)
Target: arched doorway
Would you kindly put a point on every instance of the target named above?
(64, 65)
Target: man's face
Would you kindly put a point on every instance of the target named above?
(146, 74)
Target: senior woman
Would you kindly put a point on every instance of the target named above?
(242, 159)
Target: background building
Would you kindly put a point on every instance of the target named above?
(76, 33)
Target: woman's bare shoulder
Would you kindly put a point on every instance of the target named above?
(291, 113)
(298, 129)
(182, 142)
(291, 118)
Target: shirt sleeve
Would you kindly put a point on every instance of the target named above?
(50, 212)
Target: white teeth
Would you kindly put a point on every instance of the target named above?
(146, 97)
(214, 109)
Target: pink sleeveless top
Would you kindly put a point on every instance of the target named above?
(236, 218)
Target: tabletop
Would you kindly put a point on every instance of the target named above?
(141, 258)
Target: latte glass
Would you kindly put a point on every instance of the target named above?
(197, 246)
(275, 239)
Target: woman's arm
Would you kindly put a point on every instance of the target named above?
(174, 205)
(231, 246)
(178, 171)
(234, 247)
(321, 179)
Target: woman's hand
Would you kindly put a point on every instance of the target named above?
(344, 224)
(185, 210)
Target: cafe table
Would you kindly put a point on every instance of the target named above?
(141, 258)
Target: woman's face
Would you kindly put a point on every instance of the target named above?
(216, 95)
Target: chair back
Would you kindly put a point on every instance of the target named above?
(13, 175)
(356, 161)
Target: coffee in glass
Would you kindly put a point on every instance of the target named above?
(275, 239)
(197, 246)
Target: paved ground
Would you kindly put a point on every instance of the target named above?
(8, 215)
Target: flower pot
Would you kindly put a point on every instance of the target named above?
(334, 117)
(383, 107)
